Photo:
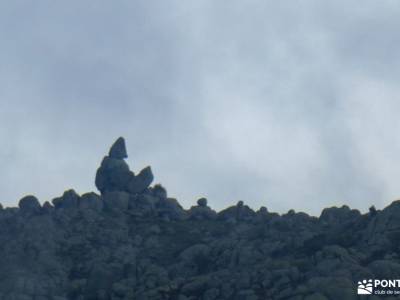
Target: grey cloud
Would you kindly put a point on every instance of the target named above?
(264, 102)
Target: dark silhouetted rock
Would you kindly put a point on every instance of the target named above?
(118, 149)
(263, 210)
(29, 205)
(338, 214)
(383, 231)
(133, 242)
(263, 214)
(201, 211)
(291, 212)
(159, 191)
(372, 211)
(142, 181)
(47, 207)
(240, 212)
(202, 202)
(69, 200)
(113, 175)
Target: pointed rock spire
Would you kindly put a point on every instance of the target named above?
(118, 149)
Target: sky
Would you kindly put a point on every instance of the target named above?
(283, 104)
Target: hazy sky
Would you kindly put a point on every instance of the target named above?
(286, 104)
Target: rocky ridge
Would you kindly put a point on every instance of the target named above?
(132, 241)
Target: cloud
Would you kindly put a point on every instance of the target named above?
(288, 105)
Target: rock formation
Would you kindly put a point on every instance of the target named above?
(114, 173)
(201, 211)
(132, 241)
(118, 149)
(29, 205)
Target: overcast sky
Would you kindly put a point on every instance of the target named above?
(284, 104)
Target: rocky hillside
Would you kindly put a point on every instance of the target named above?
(132, 241)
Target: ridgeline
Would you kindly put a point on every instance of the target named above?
(133, 242)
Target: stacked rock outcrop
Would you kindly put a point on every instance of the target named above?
(133, 242)
(114, 173)
(202, 211)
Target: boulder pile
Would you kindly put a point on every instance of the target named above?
(133, 242)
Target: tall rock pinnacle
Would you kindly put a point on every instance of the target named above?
(118, 149)
(114, 173)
